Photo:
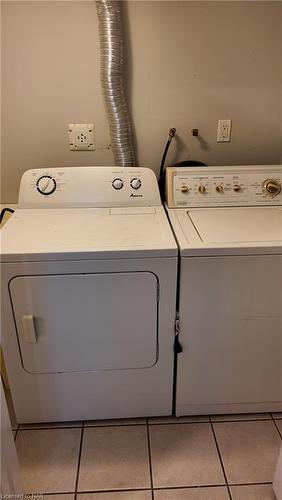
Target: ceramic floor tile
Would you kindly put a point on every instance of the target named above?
(62, 496)
(116, 421)
(279, 425)
(51, 425)
(184, 455)
(253, 492)
(48, 459)
(249, 450)
(114, 458)
(118, 495)
(177, 420)
(240, 416)
(212, 493)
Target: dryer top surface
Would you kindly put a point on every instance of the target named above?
(67, 234)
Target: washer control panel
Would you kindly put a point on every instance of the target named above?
(224, 186)
(89, 187)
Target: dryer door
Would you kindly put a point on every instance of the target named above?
(84, 322)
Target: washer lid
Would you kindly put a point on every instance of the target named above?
(237, 225)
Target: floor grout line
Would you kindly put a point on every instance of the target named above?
(220, 458)
(114, 425)
(16, 432)
(85, 425)
(250, 484)
(240, 420)
(79, 460)
(158, 488)
(48, 427)
(77, 426)
(278, 430)
(82, 492)
(150, 458)
(57, 493)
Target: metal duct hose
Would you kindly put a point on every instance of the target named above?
(112, 66)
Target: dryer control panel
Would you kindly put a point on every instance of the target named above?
(256, 185)
(88, 187)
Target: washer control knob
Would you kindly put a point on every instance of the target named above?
(117, 183)
(237, 188)
(135, 183)
(202, 189)
(219, 188)
(46, 184)
(272, 187)
(184, 189)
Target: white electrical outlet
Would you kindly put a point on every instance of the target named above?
(81, 136)
(224, 131)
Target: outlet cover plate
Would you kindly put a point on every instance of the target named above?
(81, 136)
(224, 131)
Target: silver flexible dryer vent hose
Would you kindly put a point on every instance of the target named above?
(112, 68)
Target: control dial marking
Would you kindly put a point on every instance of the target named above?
(46, 185)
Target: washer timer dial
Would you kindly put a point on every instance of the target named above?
(271, 187)
(202, 189)
(46, 184)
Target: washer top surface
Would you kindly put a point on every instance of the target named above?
(226, 210)
(237, 225)
(227, 231)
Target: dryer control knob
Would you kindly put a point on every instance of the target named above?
(184, 189)
(46, 184)
(117, 183)
(202, 189)
(219, 188)
(135, 183)
(272, 187)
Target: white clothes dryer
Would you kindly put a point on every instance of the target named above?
(89, 269)
(228, 224)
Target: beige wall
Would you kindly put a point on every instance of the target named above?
(189, 64)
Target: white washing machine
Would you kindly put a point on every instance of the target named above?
(228, 224)
(89, 269)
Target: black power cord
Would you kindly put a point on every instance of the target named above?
(3, 211)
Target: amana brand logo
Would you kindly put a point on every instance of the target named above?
(133, 195)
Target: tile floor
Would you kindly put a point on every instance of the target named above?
(189, 458)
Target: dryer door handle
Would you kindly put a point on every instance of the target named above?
(29, 328)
